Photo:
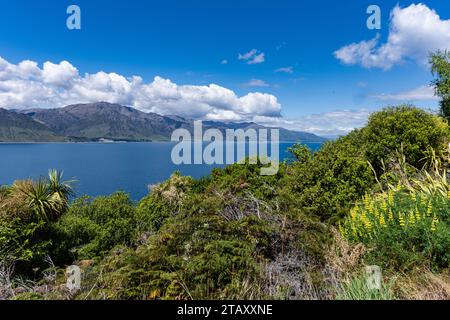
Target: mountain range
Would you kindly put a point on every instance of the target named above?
(105, 121)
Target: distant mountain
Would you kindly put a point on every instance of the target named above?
(16, 127)
(96, 121)
(108, 121)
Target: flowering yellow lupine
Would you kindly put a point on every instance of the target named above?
(367, 200)
(384, 206)
(382, 221)
(417, 215)
(391, 198)
(411, 218)
(391, 215)
(375, 214)
(402, 221)
(430, 209)
(434, 224)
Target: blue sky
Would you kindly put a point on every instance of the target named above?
(189, 41)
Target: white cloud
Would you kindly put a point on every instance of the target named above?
(256, 83)
(253, 57)
(59, 74)
(325, 124)
(423, 93)
(414, 32)
(285, 70)
(26, 85)
(224, 61)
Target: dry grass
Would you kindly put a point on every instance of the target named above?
(424, 285)
(173, 190)
(344, 259)
(14, 203)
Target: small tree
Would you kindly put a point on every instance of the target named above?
(440, 67)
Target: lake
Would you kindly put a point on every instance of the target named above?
(101, 168)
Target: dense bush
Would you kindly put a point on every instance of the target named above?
(27, 209)
(239, 235)
(91, 228)
(411, 129)
(165, 200)
(326, 183)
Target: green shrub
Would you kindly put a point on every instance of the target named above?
(91, 228)
(26, 210)
(404, 127)
(199, 257)
(328, 182)
(165, 200)
(23, 243)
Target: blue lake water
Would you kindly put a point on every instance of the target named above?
(101, 169)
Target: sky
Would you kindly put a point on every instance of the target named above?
(304, 65)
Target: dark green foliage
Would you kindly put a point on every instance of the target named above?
(22, 242)
(165, 200)
(91, 228)
(217, 237)
(199, 256)
(327, 183)
(26, 211)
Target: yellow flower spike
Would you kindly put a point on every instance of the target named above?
(430, 208)
(411, 218)
(417, 216)
(382, 221)
(391, 198)
(384, 206)
(448, 194)
(367, 200)
(391, 215)
(399, 186)
(434, 224)
(402, 221)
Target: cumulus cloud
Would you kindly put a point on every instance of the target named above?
(253, 57)
(422, 93)
(26, 85)
(414, 32)
(334, 123)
